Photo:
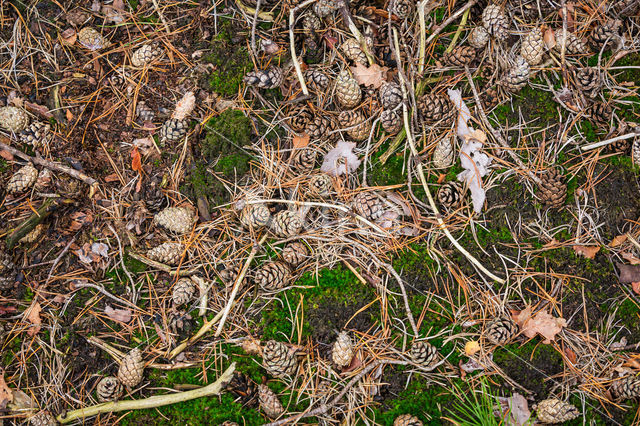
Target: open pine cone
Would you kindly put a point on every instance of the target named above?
(424, 354)
(176, 219)
(342, 351)
(273, 276)
(295, 253)
(183, 291)
(500, 330)
(168, 253)
(368, 205)
(627, 387)
(108, 389)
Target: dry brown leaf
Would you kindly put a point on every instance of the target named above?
(587, 251)
(121, 315)
(541, 323)
(136, 160)
(252, 346)
(6, 155)
(630, 258)
(549, 38)
(301, 141)
(69, 36)
(372, 76)
(571, 355)
(33, 316)
(471, 347)
(6, 396)
(628, 273)
(636, 287)
(618, 240)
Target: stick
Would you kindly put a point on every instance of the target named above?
(447, 21)
(162, 266)
(236, 285)
(214, 388)
(292, 45)
(48, 207)
(346, 16)
(609, 141)
(463, 22)
(208, 325)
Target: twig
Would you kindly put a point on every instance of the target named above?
(254, 24)
(162, 266)
(78, 286)
(463, 22)
(159, 12)
(48, 207)
(214, 388)
(609, 141)
(57, 259)
(208, 325)
(450, 19)
(134, 293)
(292, 45)
(346, 17)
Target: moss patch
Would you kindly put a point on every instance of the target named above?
(231, 62)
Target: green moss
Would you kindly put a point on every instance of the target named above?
(231, 62)
(389, 173)
(4, 166)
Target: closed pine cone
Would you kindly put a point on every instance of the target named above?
(146, 54)
(320, 127)
(495, 22)
(269, 402)
(407, 420)
(244, 388)
(8, 271)
(424, 354)
(320, 185)
(267, 79)
(175, 219)
(355, 124)
(23, 179)
(278, 359)
(435, 108)
(108, 389)
(353, 52)
(304, 160)
(500, 330)
(43, 418)
(317, 80)
(532, 48)
(144, 113)
(588, 80)
(390, 121)
(607, 33)
(368, 205)
(37, 134)
(478, 37)
(273, 276)
(553, 189)
(254, 216)
(490, 99)
(91, 39)
(311, 24)
(627, 387)
(573, 44)
(342, 351)
(600, 113)
(348, 92)
(183, 291)
(450, 195)
(173, 130)
(299, 117)
(131, 368)
(168, 253)
(402, 8)
(443, 154)
(286, 223)
(390, 95)
(553, 410)
(518, 75)
(13, 119)
(295, 253)
(460, 56)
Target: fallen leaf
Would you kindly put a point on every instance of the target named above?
(636, 287)
(21, 401)
(252, 346)
(629, 273)
(571, 355)
(619, 345)
(113, 177)
(549, 38)
(69, 115)
(32, 314)
(514, 410)
(587, 251)
(144, 144)
(471, 366)
(6, 155)
(341, 159)
(121, 315)
(69, 36)
(136, 160)
(7, 310)
(41, 110)
(373, 76)
(6, 396)
(101, 249)
(471, 347)
(618, 240)
(301, 141)
(541, 323)
(630, 258)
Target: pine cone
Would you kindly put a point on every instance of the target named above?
(600, 114)
(588, 80)
(402, 8)
(119, 76)
(605, 34)
(273, 276)
(131, 368)
(254, 216)
(424, 354)
(229, 274)
(433, 108)
(176, 219)
(144, 113)
(450, 195)
(518, 76)
(390, 95)
(146, 54)
(495, 22)
(108, 389)
(490, 99)
(173, 130)
(183, 291)
(460, 56)
(500, 330)
(8, 271)
(278, 359)
(244, 388)
(555, 411)
(553, 189)
(320, 128)
(317, 80)
(33, 235)
(168, 253)
(286, 223)
(311, 24)
(304, 160)
(478, 37)
(13, 119)
(320, 185)
(184, 107)
(627, 387)
(269, 402)
(390, 121)
(295, 253)
(43, 418)
(348, 93)
(324, 8)
(355, 124)
(353, 52)
(37, 134)
(299, 117)
(635, 151)
(573, 45)
(91, 39)
(443, 154)
(267, 79)
(532, 48)
(229, 423)
(23, 179)
(342, 351)
(368, 205)
(407, 420)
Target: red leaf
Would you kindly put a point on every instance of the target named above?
(136, 160)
